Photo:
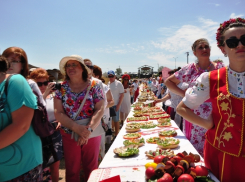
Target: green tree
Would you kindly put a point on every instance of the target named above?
(160, 68)
(118, 71)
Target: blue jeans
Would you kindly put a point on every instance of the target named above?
(116, 118)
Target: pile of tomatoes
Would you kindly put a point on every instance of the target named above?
(179, 168)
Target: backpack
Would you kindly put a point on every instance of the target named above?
(40, 123)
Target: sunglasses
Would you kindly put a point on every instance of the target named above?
(110, 76)
(42, 83)
(91, 67)
(233, 42)
(125, 79)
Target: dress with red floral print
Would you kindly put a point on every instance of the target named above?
(71, 101)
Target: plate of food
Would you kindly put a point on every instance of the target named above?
(132, 136)
(132, 123)
(168, 143)
(164, 120)
(167, 124)
(143, 118)
(132, 128)
(167, 133)
(152, 140)
(137, 108)
(139, 141)
(159, 116)
(137, 115)
(147, 125)
(126, 151)
(153, 153)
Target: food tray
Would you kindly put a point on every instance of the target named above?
(137, 119)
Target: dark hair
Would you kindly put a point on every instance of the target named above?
(171, 72)
(194, 45)
(97, 71)
(103, 80)
(238, 22)
(4, 64)
(21, 54)
(84, 74)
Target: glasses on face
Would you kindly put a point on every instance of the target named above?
(73, 65)
(233, 42)
(203, 47)
(14, 62)
(42, 83)
(110, 76)
(125, 79)
(91, 67)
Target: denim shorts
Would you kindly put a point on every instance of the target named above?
(116, 118)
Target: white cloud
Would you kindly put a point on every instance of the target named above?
(214, 4)
(233, 15)
(181, 41)
(120, 51)
(182, 38)
(166, 60)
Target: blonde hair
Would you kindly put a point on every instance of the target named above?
(194, 45)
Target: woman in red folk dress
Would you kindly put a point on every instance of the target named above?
(224, 150)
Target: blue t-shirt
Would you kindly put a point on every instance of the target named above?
(26, 153)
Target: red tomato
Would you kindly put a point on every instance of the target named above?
(177, 158)
(158, 159)
(166, 178)
(150, 172)
(201, 171)
(185, 178)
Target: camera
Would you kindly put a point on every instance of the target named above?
(57, 86)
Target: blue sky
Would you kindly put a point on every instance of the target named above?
(113, 33)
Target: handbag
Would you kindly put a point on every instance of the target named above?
(112, 111)
(97, 131)
(40, 123)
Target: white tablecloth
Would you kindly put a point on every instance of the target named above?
(113, 161)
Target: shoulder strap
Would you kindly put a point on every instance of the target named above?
(83, 102)
(6, 84)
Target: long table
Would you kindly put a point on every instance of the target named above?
(132, 168)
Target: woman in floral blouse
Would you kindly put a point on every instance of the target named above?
(189, 74)
(67, 102)
(224, 151)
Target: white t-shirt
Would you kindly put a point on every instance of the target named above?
(175, 99)
(200, 92)
(106, 115)
(116, 88)
(50, 108)
(35, 88)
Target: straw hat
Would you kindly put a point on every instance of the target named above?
(64, 60)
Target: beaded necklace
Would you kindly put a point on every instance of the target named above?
(204, 70)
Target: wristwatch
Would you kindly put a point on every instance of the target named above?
(90, 129)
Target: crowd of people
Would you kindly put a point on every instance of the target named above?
(205, 99)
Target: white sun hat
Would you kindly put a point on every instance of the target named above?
(64, 60)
